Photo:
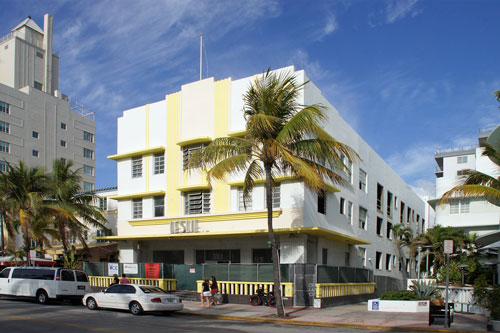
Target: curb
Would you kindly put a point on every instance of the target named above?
(321, 324)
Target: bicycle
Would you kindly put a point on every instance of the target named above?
(262, 298)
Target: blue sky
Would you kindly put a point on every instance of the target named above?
(410, 76)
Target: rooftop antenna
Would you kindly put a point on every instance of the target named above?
(201, 50)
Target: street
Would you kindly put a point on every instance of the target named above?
(18, 315)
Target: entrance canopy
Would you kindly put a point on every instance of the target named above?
(314, 231)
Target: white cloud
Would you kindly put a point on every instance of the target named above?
(398, 9)
(331, 25)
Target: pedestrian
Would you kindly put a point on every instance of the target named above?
(124, 279)
(205, 293)
(116, 280)
(214, 289)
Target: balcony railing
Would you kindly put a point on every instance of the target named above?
(6, 37)
(487, 129)
(455, 149)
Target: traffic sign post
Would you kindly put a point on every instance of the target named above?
(448, 249)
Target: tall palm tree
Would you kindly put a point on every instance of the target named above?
(404, 239)
(24, 189)
(282, 137)
(73, 209)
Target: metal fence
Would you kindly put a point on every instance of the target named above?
(333, 274)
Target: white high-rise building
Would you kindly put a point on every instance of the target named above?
(37, 122)
(474, 215)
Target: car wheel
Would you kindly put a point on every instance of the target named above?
(42, 297)
(91, 304)
(136, 308)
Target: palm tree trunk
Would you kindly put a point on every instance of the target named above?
(27, 245)
(62, 233)
(2, 235)
(272, 241)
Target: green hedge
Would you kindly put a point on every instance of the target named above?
(402, 295)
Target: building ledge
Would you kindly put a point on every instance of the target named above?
(198, 187)
(329, 187)
(208, 218)
(237, 134)
(201, 139)
(136, 195)
(152, 150)
(314, 231)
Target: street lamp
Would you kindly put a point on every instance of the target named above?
(462, 268)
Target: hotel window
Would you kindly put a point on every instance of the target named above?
(39, 54)
(348, 167)
(380, 197)
(159, 164)
(461, 172)
(389, 203)
(342, 206)
(362, 180)
(461, 159)
(322, 202)
(35, 153)
(362, 255)
(63, 143)
(188, 151)
(389, 230)
(402, 213)
(4, 166)
(88, 186)
(380, 223)
(378, 260)
(244, 203)
(4, 107)
(159, 206)
(362, 218)
(89, 153)
(276, 196)
(197, 202)
(103, 203)
(87, 136)
(88, 170)
(349, 212)
(63, 126)
(35, 134)
(137, 208)
(4, 146)
(460, 206)
(4, 127)
(324, 256)
(388, 259)
(137, 167)
(37, 85)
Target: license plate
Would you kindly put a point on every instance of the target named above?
(81, 287)
(169, 300)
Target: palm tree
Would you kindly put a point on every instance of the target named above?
(478, 184)
(282, 138)
(24, 189)
(404, 238)
(73, 210)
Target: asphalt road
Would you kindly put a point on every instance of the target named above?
(27, 316)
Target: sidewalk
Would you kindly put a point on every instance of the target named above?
(352, 316)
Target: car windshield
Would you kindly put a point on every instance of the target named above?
(153, 290)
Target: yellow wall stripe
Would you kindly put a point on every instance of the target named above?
(221, 190)
(173, 164)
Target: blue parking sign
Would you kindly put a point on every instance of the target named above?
(375, 305)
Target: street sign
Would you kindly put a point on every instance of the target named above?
(448, 246)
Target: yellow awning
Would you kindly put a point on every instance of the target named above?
(314, 231)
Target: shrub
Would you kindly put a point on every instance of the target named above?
(401, 295)
(488, 297)
(424, 289)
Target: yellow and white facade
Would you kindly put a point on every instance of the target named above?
(167, 214)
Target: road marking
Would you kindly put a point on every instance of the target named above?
(58, 323)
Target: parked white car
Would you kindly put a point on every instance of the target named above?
(133, 297)
(44, 283)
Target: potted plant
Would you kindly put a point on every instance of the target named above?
(489, 298)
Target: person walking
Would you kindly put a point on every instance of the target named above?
(214, 289)
(205, 294)
(124, 279)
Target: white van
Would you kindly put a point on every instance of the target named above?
(44, 283)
